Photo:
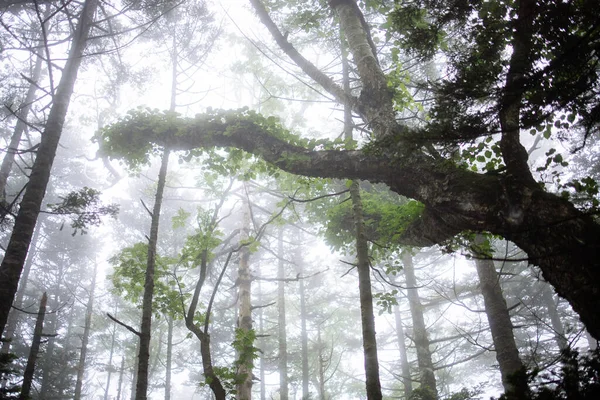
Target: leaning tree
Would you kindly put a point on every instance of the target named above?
(512, 66)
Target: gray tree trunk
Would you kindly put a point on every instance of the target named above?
(557, 325)
(303, 330)
(33, 352)
(512, 371)
(404, 365)
(86, 337)
(424, 359)
(281, 321)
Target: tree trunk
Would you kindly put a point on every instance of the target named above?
(169, 359)
(322, 366)
(85, 339)
(13, 317)
(424, 361)
(16, 251)
(244, 388)
(512, 370)
(141, 391)
(261, 341)
(109, 366)
(35, 347)
(404, 365)
(20, 126)
(281, 321)
(121, 374)
(556, 323)
(371, 362)
(303, 330)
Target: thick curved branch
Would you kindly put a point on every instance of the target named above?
(309, 68)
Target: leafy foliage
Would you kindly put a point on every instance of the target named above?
(85, 207)
(128, 280)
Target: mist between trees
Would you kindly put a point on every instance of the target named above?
(299, 200)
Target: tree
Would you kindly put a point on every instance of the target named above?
(506, 201)
(16, 252)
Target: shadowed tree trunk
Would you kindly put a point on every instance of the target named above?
(512, 370)
(141, 390)
(35, 348)
(427, 377)
(16, 251)
(169, 359)
(86, 337)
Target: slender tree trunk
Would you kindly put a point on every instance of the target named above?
(110, 360)
(404, 365)
(13, 317)
(424, 361)
(134, 371)
(86, 337)
(35, 348)
(512, 370)
(169, 360)
(371, 362)
(244, 388)
(322, 366)
(303, 330)
(557, 325)
(16, 251)
(21, 124)
(261, 368)
(141, 391)
(52, 327)
(281, 321)
(121, 374)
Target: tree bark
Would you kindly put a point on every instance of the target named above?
(141, 391)
(85, 339)
(514, 378)
(109, 366)
(281, 321)
(35, 348)
(244, 282)
(16, 251)
(427, 377)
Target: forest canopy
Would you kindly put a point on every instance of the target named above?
(390, 129)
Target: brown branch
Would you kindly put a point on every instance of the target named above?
(124, 325)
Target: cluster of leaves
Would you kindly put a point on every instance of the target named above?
(205, 238)
(85, 208)
(244, 347)
(129, 275)
(385, 219)
(385, 301)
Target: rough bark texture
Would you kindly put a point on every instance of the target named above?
(16, 251)
(85, 339)
(512, 370)
(244, 282)
(35, 348)
(141, 391)
(424, 361)
(281, 321)
(404, 365)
